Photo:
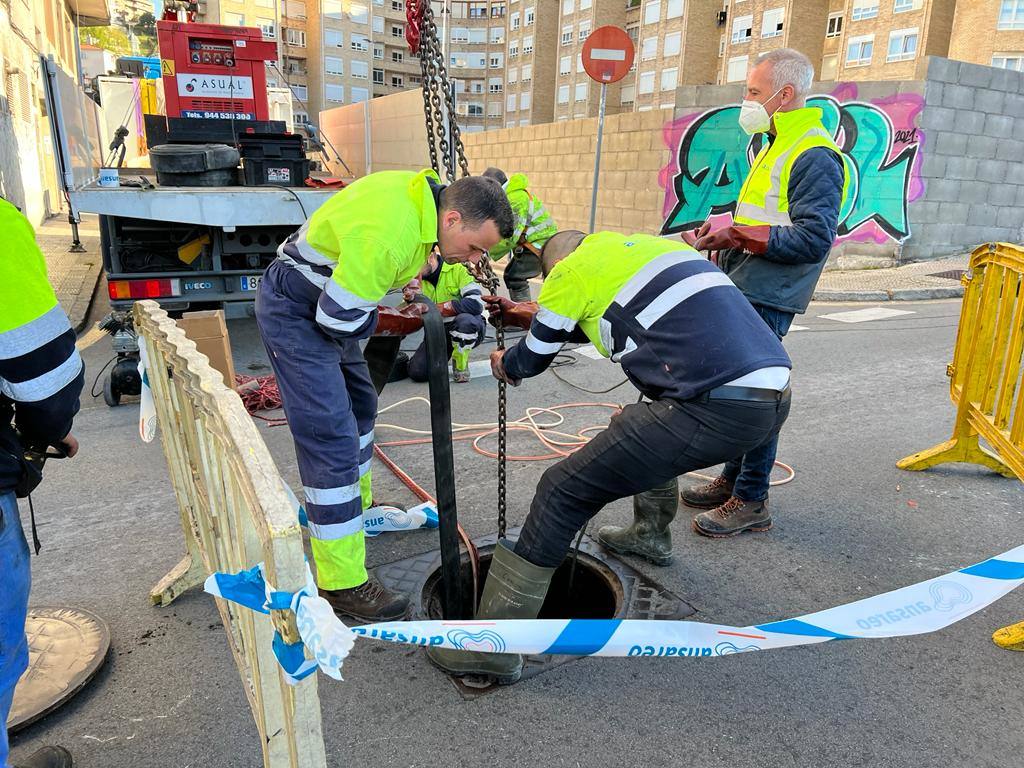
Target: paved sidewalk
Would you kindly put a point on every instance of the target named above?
(74, 275)
(910, 282)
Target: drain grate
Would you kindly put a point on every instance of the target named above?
(603, 587)
(950, 274)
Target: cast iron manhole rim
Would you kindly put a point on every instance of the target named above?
(639, 597)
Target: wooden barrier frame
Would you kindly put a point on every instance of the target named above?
(985, 374)
(234, 514)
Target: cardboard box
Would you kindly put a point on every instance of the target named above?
(210, 333)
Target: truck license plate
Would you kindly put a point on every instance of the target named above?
(251, 282)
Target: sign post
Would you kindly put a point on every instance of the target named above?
(607, 56)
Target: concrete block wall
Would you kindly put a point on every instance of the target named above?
(558, 158)
(973, 167)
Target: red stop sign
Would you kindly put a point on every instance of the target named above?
(608, 54)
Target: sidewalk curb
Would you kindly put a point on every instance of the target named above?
(79, 312)
(892, 294)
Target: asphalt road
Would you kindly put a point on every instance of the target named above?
(849, 526)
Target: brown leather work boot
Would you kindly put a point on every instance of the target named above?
(370, 601)
(707, 496)
(732, 517)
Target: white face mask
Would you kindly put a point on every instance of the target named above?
(754, 118)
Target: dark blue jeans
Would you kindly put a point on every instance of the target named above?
(13, 608)
(751, 472)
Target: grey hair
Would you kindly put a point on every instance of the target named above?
(789, 67)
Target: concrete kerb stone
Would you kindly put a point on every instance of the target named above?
(893, 294)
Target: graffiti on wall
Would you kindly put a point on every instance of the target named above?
(711, 156)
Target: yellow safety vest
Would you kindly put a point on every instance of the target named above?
(764, 198)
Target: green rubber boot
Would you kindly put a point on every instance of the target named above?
(515, 589)
(649, 536)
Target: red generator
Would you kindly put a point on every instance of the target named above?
(214, 72)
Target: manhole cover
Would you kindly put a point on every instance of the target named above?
(66, 647)
(603, 587)
(950, 274)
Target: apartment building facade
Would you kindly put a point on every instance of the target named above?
(475, 35)
(751, 28)
(532, 46)
(989, 32)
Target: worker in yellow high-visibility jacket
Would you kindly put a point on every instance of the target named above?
(316, 301)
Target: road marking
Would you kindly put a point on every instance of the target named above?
(480, 368)
(797, 328)
(866, 315)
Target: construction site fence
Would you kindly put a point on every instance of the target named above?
(985, 379)
(234, 514)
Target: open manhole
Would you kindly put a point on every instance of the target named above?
(603, 587)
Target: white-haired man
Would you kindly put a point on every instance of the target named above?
(783, 228)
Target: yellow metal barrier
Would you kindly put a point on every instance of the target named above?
(234, 514)
(986, 370)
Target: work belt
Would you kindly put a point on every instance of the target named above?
(754, 394)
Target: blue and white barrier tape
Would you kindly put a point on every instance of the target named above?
(920, 608)
(382, 518)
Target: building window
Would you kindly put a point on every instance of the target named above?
(582, 91)
(510, 103)
(525, 100)
(398, 56)
(359, 13)
(359, 94)
(359, 42)
(494, 109)
(497, 34)
(295, 9)
(568, 6)
(300, 118)
(378, 51)
(332, 9)
(742, 29)
(627, 94)
(646, 83)
(829, 67)
(494, 85)
(476, 110)
(563, 94)
(460, 35)
(652, 12)
(514, 21)
(584, 31)
(333, 65)
(268, 28)
(530, 14)
(565, 65)
(669, 79)
(397, 30)
(527, 72)
(360, 70)
(649, 49)
(566, 35)
(378, 76)
(333, 39)
(1009, 61)
(672, 43)
(497, 10)
(674, 9)
(771, 22)
(513, 75)
(835, 25)
(1011, 14)
(737, 69)
(334, 93)
(859, 50)
(271, 83)
(864, 9)
(497, 61)
(528, 44)
(234, 19)
(397, 5)
(901, 6)
(300, 92)
(585, 5)
(397, 81)
(295, 37)
(478, 36)
(513, 50)
(579, 63)
(902, 45)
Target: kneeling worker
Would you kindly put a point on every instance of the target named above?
(716, 376)
(459, 298)
(316, 301)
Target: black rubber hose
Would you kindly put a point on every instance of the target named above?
(380, 353)
(435, 336)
